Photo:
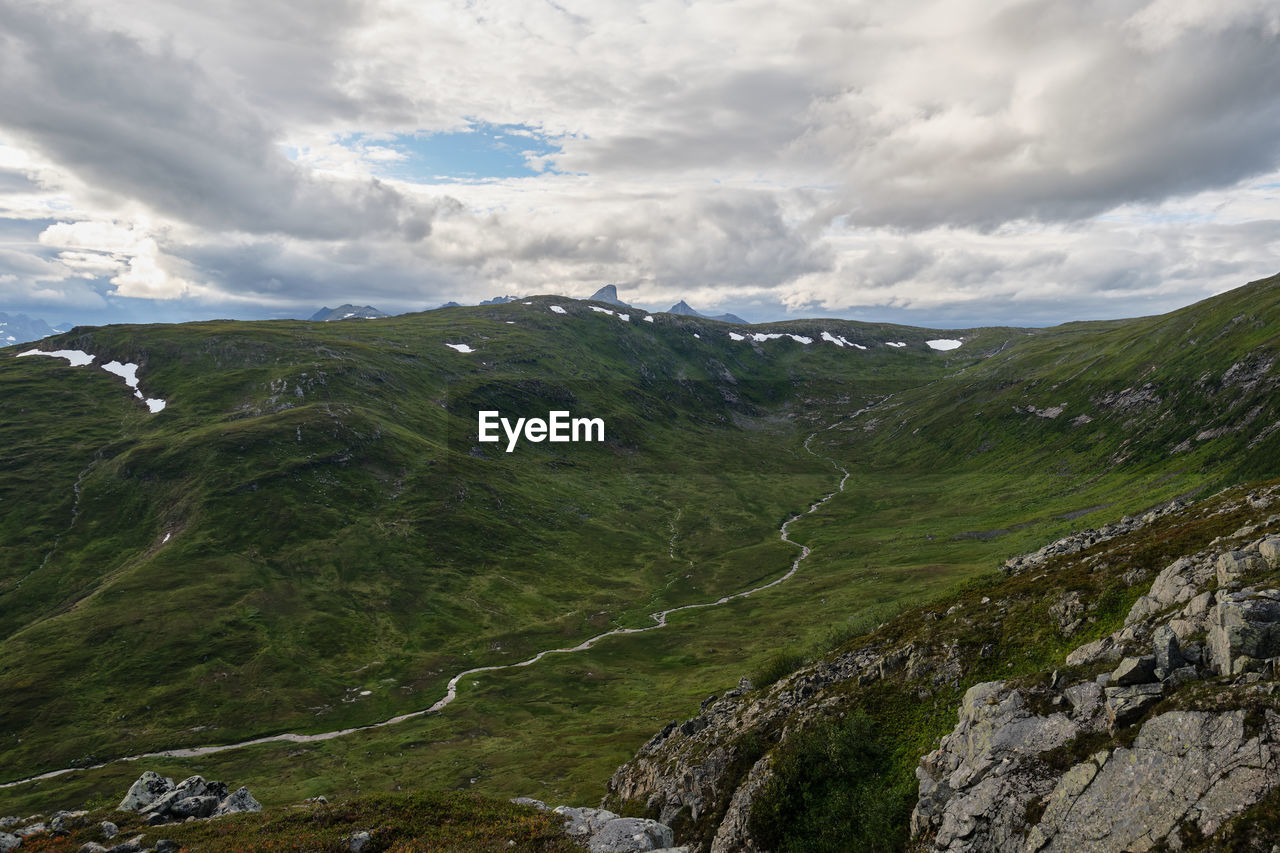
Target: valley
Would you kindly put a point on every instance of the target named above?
(309, 538)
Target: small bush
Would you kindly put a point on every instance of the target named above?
(779, 666)
(833, 790)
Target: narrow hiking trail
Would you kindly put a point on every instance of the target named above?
(451, 691)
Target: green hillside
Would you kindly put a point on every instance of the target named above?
(309, 537)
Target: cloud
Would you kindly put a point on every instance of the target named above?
(151, 125)
(1023, 160)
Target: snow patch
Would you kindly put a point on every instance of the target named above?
(648, 319)
(898, 344)
(800, 339)
(166, 538)
(944, 344)
(626, 318)
(128, 372)
(698, 336)
(761, 336)
(460, 347)
(734, 336)
(77, 358)
(558, 309)
(840, 340)
(600, 310)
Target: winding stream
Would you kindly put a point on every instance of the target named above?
(451, 692)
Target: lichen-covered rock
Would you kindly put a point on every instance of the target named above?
(1269, 550)
(9, 842)
(239, 800)
(1103, 650)
(1185, 767)
(630, 835)
(1126, 704)
(133, 845)
(200, 806)
(150, 787)
(1244, 624)
(1234, 566)
(1136, 670)
(63, 822)
(734, 833)
(974, 784)
(582, 822)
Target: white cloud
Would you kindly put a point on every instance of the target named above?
(920, 156)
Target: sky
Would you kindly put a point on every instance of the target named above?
(946, 163)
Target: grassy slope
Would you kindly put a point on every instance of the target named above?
(334, 528)
(923, 482)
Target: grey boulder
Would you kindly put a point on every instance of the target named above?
(238, 801)
(150, 787)
(631, 835)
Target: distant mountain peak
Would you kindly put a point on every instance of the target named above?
(608, 293)
(685, 310)
(499, 300)
(347, 312)
(21, 329)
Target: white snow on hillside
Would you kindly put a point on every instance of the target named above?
(800, 339)
(126, 371)
(944, 344)
(648, 319)
(460, 347)
(898, 344)
(558, 309)
(734, 336)
(77, 358)
(762, 336)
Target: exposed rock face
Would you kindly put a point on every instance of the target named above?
(974, 784)
(992, 786)
(1166, 727)
(1185, 768)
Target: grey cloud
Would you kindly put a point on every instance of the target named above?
(1133, 123)
(147, 124)
(739, 118)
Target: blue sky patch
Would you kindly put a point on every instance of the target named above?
(485, 152)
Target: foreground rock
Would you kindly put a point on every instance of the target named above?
(602, 831)
(1013, 774)
(1162, 731)
(164, 802)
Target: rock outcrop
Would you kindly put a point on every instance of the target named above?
(164, 802)
(1162, 730)
(1010, 776)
